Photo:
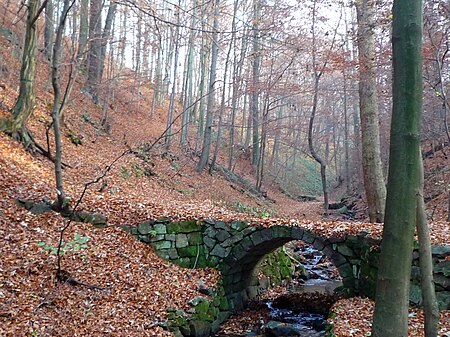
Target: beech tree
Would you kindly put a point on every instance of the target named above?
(95, 49)
(368, 106)
(206, 149)
(49, 29)
(16, 125)
(59, 101)
(84, 28)
(404, 178)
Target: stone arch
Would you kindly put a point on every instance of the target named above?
(238, 277)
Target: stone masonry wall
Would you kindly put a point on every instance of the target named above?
(236, 249)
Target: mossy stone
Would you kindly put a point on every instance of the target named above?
(443, 268)
(181, 241)
(184, 262)
(224, 304)
(415, 294)
(162, 245)
(188, 251)
(145, 228)
(238, 225)
(176, 318)
(200, 328)
(195, 238)
(160, 228)
(345, 250)
(182, 227)
(440, 250)
(202, 312)
(443, 299)
(199, 261)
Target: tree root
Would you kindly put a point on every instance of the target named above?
(98, 220)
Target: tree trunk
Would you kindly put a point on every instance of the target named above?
(368, 108)
(61, 202)
(48, 30)
(430, 304)
(171, 110)
(211, 88)
(106, 35)
(95, 48)
(84, 29)
(392, 296)
(255, 81)
(225, 74)
(237, 82)
(317, 75)
(16, 126)
(188, 83)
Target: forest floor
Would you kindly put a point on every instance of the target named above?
(134, 287)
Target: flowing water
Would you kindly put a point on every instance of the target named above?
(303, 310)
(301, 314)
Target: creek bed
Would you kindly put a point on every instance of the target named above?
(297, 309)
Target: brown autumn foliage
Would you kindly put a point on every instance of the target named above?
(137, 287)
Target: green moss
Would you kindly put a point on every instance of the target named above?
(202, 312)
(176, 318)
(183, 227)
(224, 305)
(195, 238)
(277, 266)
(184, 262)
(238, 225)
(189, 251)
(200, 261)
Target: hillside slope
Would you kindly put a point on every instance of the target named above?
(135, 286)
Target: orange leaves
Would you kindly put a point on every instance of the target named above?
(354, 318)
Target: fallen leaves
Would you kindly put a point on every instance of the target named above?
(353, 317)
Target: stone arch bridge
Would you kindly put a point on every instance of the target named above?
(236, 248)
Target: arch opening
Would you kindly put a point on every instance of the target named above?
(239, 269)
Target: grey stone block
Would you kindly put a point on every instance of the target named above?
(181, 241)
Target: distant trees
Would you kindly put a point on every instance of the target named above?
(250, 82)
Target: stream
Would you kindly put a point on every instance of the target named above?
(301, 310)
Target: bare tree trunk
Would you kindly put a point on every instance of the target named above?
(61, 202)
(312, 150)
(188, 83)
(255, 80)
(404, 178)
(95, 47)
(222, 104)
(201, 109)
(374, 182)
(106, 35)
(48, 29)
(430, 304)
(84, 29)
(346, 139)
(237, 82)
(168, 138)
(211, 90)
(317, 75)
(158, 78)
(16, 126)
